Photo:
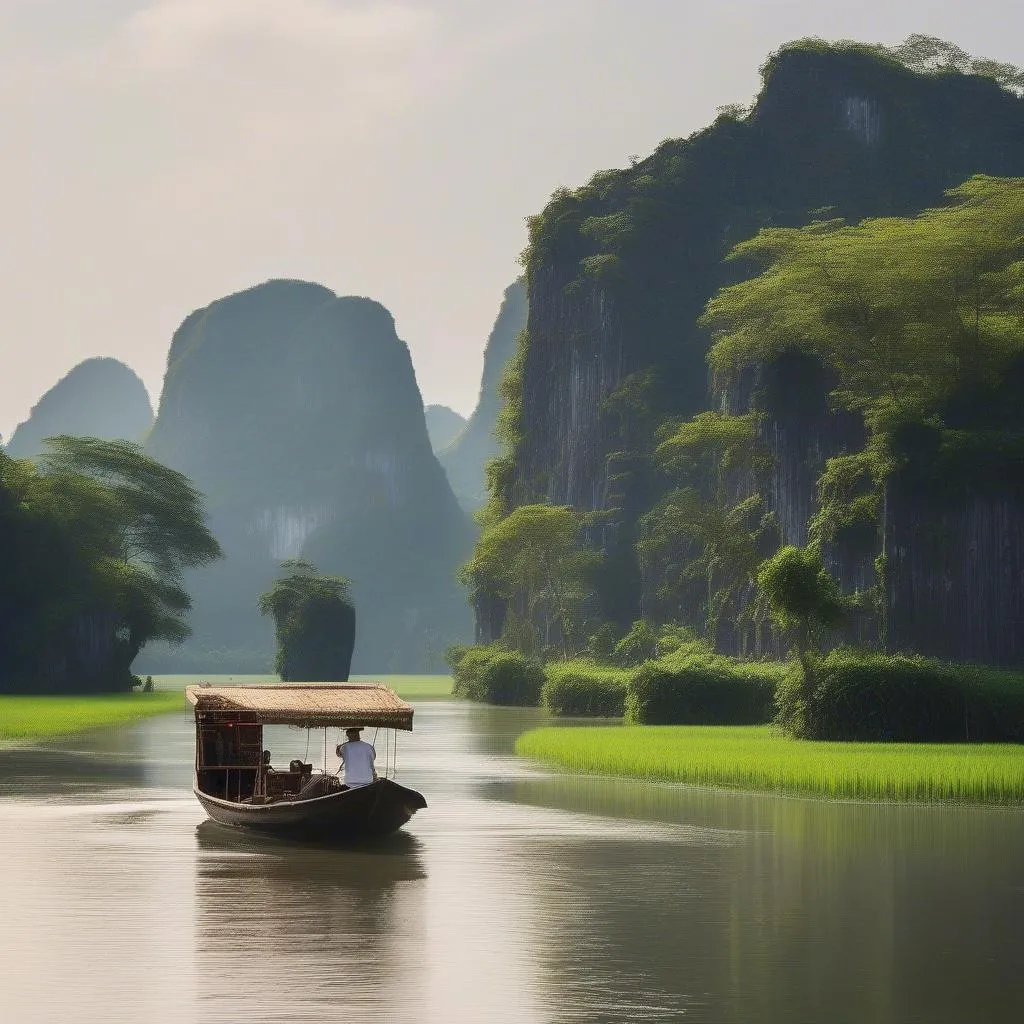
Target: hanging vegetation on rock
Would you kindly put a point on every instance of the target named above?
(315, 623)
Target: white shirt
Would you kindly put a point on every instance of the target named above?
(358, 758)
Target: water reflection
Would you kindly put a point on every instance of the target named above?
(301, 932)
(518, 895)
(821, 911)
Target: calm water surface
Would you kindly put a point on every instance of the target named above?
(518, 895)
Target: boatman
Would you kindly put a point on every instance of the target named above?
(358, 758)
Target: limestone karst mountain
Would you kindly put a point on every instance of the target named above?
(297, 413)
(97, 398)
(443, 425)
(465, 457)
(620, 270)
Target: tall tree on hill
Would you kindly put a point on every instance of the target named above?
(315, 622)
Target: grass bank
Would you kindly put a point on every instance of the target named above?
(761, 758)
(34, 718)
(409, 687)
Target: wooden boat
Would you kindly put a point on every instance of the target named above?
(237, 787)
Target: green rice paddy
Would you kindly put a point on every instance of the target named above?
(762, 758)
(411, 687)
(32, 718)
(36, 718)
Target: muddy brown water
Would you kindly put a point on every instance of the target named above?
(519, 895)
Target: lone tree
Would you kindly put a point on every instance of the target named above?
(315, 622)
(803, 601)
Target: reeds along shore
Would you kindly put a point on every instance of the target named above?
(762, 758)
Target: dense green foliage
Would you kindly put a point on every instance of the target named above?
(535, 553)
(584, 688)
(897, 698)
(802, 598)
(314, 621)
(93, 544)
(493, 674)
(759, 758)
(697, 687)
(907, 314)
(703, 541)
(34, 718)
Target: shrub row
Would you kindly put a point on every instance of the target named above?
(858, 696)
(584, 687)
(693, 687)
(902, 698)
(492, 674)
(687, 687)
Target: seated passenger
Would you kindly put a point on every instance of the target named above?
(267, 766)
(358, 758)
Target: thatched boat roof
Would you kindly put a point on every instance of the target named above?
(308, 705)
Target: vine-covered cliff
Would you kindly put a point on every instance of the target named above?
(619, 271)
(97, 398)
(298, 415)
(464, 459)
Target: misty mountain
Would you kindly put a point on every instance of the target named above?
(297, 413)
(443, 425)
(465, 457)
(97, 398)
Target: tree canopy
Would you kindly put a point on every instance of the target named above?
(902, 309)
(802, 598)
(96, 540)
(536, 552)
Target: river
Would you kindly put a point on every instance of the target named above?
(518, 895)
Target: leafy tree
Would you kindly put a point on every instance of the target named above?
(902, 309)
(315, 623)
(640, 644)
(535, 554)
(150, 523)
(803, 600)
(710, 530)
(97, 539)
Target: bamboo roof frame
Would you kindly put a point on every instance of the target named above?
(308, 705)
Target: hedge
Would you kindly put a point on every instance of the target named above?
(694, 688)
(584, 687)
(902, 698)
(493, 674)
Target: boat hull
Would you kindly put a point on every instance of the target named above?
(351, 814)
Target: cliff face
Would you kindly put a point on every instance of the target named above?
(97, 398)
(297, 413)
(465, 457)
(443, 425)
(620, 270)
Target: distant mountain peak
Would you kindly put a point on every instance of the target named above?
(100, 397)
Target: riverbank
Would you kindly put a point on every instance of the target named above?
(408, 687)
(762, 758)
(36, 718)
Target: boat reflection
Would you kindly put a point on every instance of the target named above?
(297, 930)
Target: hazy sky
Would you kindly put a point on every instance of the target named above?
(160, 154)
